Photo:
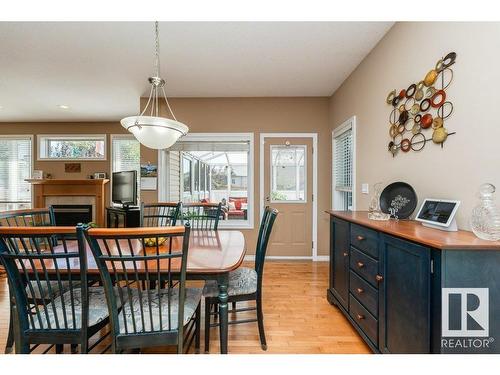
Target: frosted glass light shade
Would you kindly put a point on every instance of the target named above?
(155, 132)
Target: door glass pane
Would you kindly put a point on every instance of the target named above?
(288, 173)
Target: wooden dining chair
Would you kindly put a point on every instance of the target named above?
(202, 216)
(160, 214)
(245, 284)
(149, 317)
(29, 218)
(38, 269)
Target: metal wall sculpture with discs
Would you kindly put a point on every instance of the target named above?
(419, 111)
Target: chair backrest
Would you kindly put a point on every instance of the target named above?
(265, 229)
(36, 268)
(129, 261)
(38, 217)
(203, 216)
(159, 214)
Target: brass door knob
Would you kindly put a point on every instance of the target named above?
(359, 290)
(360, 238)
(360, 317)
(360, 264)
(346, 254)
(379, 278)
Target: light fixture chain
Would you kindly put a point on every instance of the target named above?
(157, 48)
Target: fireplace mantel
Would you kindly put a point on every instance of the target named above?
(71, 188)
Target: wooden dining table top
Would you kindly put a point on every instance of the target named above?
(210, 252)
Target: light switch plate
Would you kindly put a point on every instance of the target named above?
(365, 188)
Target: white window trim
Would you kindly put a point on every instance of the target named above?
(39, 138)
(271, 187)
(228, 137)
(127, 137)
(31, 137)
(350, 123)
(314, 136)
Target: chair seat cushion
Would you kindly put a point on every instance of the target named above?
(151, 314)
(241, 281)
(37, 290)
(52, 315)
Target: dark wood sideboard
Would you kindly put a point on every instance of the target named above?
(387, 278)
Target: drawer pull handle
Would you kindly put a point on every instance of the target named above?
(359, 290)
(360, 238)
(360, 317)
(379, 278)
(345, 254)
(360, 264)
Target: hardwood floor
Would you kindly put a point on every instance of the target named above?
(297, 317)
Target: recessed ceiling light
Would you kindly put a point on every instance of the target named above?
(63, 106)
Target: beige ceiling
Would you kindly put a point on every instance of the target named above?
(100, 69)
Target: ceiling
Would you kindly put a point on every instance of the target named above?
(100, 69)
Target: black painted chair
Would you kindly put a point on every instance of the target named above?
(159, 214)
(28, 218)
(149, 317)
(245, 284)
(202, 216)
(41, 313)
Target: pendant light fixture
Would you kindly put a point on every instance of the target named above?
(149, 128)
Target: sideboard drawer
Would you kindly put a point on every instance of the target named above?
(367, 323)
(364, 266)
(365, 240)
(364, 292)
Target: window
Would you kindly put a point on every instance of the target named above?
(69, 147)
(343, 166)
(126, 155)
(217, 168)
(288, 165)
(186, 174)
(15, 168)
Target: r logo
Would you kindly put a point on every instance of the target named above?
(465, 312)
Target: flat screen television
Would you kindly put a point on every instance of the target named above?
(124, 188)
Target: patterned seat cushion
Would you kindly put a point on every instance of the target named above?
(34, 289)
(52, 316)
(241, 281)
(143, 315)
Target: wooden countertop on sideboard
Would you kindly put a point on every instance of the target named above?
(416, 232)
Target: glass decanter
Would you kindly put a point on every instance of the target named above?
(374, 211)
(485, 219)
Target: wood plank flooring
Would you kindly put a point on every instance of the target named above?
(297, 317)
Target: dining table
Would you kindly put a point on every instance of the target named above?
(212, 255)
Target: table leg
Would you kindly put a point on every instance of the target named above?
(223, 316)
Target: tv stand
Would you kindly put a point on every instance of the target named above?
(123, 217)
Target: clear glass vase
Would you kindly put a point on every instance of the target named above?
(485, 219)
(374, 211)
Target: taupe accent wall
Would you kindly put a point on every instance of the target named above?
(404, 56)
(255, 115)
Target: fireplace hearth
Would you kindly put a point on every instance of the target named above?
(72, 214)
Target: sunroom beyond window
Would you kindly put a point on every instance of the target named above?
(212, 171)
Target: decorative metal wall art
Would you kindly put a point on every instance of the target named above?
(420, 107)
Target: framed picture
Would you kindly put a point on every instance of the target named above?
(149, 170)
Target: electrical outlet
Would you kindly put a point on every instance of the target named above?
(365, 188)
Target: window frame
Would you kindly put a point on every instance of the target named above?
(349, 124)
(42, 137)
(31, 137)
(234, 137)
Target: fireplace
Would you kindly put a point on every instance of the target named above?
(72, 214)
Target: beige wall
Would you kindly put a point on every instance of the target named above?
(217, 115)
(404, 56)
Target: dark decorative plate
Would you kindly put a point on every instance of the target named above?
(399, 196)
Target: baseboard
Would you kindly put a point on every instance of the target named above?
(322, 258)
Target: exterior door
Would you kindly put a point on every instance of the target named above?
(288, 187)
